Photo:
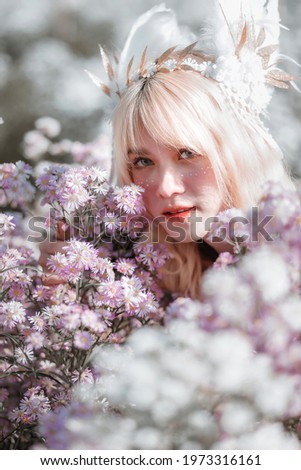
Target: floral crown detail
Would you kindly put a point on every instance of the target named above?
(242, 52)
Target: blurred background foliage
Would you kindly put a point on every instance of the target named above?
(45, 46)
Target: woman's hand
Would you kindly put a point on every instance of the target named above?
(48, 248)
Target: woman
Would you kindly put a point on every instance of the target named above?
(175, 136)
(194, 146)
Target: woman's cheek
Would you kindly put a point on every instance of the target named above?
(149, 193)
(148, 184)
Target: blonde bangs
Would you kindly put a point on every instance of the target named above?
(183, 109)
(164, 99)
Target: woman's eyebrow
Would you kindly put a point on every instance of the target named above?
(138, 151)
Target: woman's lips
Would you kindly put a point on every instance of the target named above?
(179, 213)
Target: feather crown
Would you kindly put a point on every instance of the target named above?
(239, 47)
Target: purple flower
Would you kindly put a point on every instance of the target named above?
(83, 340)
(109, 293)
(6, 224)
(11, 313)
(129, 199)
(126, 266)
(35, 405)
(84, 376)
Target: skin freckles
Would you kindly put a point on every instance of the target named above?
(179, 187)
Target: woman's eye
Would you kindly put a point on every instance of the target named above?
(186, 154)
(141, 162)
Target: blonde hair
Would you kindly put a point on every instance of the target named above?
(184, 109)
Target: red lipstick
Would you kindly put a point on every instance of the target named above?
(178, 212)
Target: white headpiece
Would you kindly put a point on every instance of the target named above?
(239, 47)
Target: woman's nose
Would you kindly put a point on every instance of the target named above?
(170, 182)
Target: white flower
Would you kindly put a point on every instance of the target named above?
(24, 355)
(11, 313)
(237, 417)
(48, 126)
(266, 268)
(274, 394)
(35, 145)
(6, 223)
(268, 437)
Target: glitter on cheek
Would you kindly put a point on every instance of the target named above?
(144, 183)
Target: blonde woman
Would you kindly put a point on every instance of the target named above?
(176, 137)
(191, 140)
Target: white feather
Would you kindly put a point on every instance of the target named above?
(222, 31)
(158, 30)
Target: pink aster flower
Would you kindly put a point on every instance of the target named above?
(73, 198)
(112, 222)
(85, 376)
(14, 180)
(17, 292)
(90, 319)
(129, 199)
(110, 294)
(103, 268)
(147, 304)
(24, 355)
(71, 319)
(131, 304)
(57, 262)
(224, 260)
(38, 321)
(131, 285)
(97, 174)
(11, 257)
(47, 365)
(45, 182)
(35, 405)
(81, 254)
(35, 340)
(83, 340)
(6, 224)
(144, 276)
(52, 314)
(61, 399)
(99, 189)
(126, 266)
(17, 415)
(153, 256)
(11, 313)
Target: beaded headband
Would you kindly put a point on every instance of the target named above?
(239, 50)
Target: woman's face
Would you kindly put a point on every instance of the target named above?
(180, 189)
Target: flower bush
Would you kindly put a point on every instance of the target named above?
(95, 355)
(223, 373)
(108, 287)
